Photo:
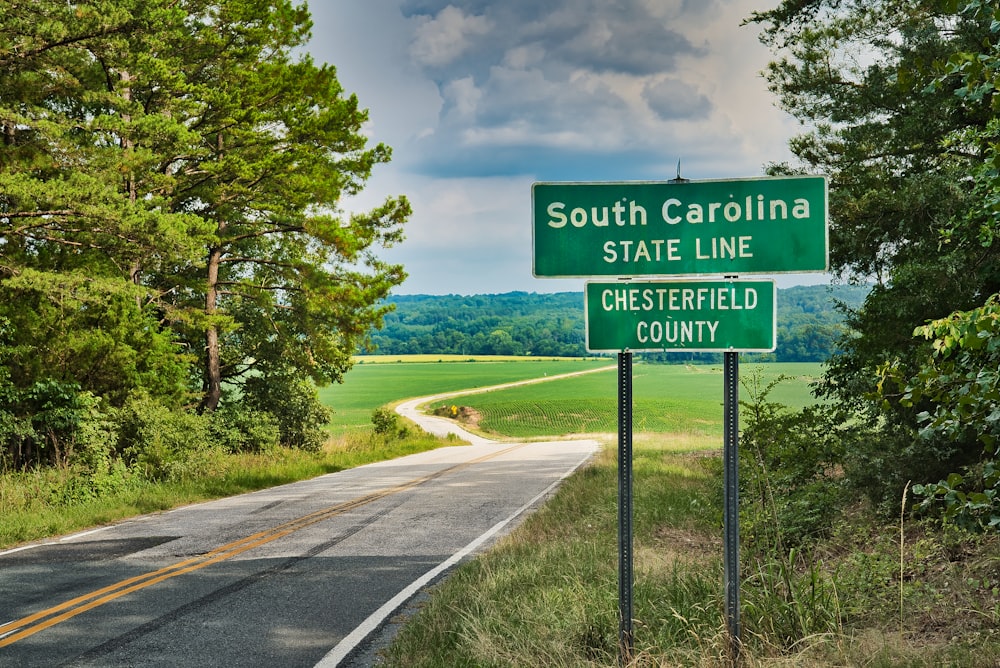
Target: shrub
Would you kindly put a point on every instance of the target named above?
(162, 444)
(386, 423)
(958, 386)
(47, 423)
(294, 404)
(238, 428)
(791, 475)
(79, 484)
(385, 420)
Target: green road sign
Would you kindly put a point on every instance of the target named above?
(695, 316)
(692, 228)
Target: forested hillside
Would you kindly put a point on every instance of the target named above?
(521, 323)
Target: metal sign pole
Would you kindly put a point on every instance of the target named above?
(731, 501)
(625, 505)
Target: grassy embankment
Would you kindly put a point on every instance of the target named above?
(38, 504)
(547, 594)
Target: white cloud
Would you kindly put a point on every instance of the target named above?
(441, 40)
(524, 56)
(462, 98)
(590, 78)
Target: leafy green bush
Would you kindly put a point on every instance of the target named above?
(969, 501)
(791, 476)
(386, 423)
(41, 424)
(91, 330)
(237, 428)
(162, 444)
(79, 484)
(294, 403)
(960, 384)
(385, 420)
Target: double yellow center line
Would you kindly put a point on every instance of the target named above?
(19, 629)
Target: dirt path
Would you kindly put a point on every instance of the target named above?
(440, 426)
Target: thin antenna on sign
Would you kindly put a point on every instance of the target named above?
(679, 178)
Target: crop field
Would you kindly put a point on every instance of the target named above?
(667, 398)
(370, 384)
(526, 419)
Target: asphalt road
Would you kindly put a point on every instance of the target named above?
(298, 575)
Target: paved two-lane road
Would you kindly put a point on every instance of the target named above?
(290, 576)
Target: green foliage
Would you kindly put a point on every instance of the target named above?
(792, 485)
(80, 486)
(969, 501)
(911, 164)
(811, 320)
(238, 428)
(959, 382)
(170, 177)
(161, 444)
(385, 422)
(516, 323)
(519, 323)
(44, 422)
(976, 68)
(287, 286)
(294, 404)
(962, 377)
(75, 328)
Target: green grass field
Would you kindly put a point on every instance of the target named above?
(667, 398)
(374, 382)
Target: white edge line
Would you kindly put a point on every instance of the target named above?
(17, 549)
(344, 648)
(63, 539)
(83, 533)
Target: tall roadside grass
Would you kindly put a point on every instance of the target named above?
(47, 502)
(547, 594)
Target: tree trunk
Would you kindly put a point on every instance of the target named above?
(131, 189)
(213, 358)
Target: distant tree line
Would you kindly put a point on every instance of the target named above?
(521, 323)
(515, 323)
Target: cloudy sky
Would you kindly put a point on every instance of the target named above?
(480, 98)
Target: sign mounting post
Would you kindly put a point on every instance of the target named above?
(625, 644)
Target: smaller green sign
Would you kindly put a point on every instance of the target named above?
(695, 316)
